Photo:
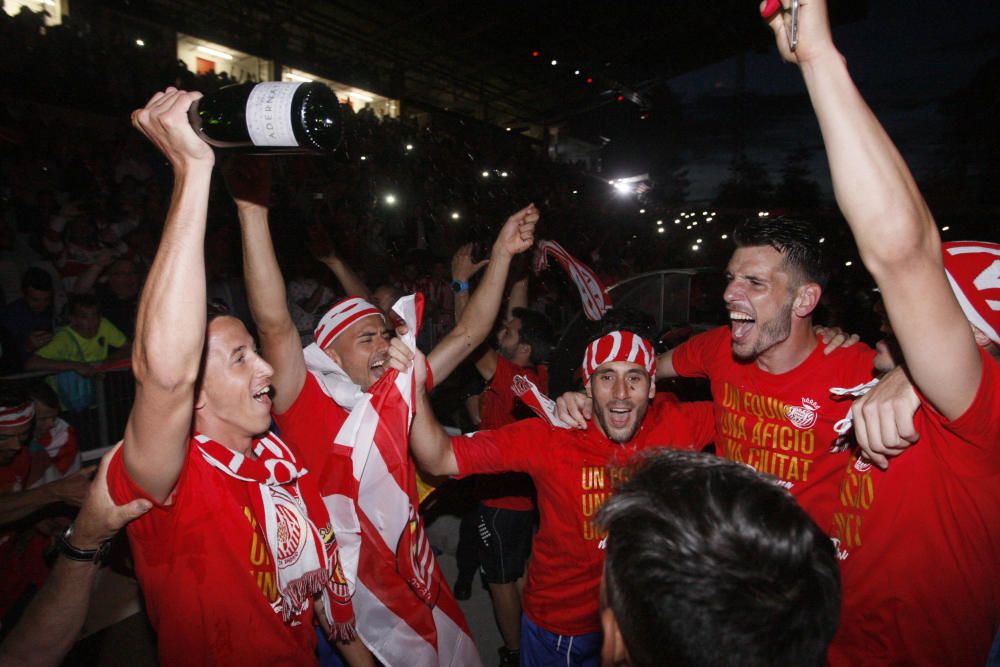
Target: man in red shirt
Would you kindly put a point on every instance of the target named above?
(238, 544)
(920, 540)
(570, 470)
(770, 375)
(353, 335)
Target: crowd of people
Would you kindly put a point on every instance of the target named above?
(288, 328)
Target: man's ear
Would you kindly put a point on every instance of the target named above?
(200, 399)
(982, 340)
(613, 650)
(652, 388)
(806, 299)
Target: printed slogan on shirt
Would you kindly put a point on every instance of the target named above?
(768, 434)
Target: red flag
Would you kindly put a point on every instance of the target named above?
(405, 610)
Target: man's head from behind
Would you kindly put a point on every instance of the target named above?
(618, 371)
(17, 414)
(774, 281)
(710, 563)
(526, 339)
(353, 334)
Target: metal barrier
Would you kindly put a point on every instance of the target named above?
(103, 422)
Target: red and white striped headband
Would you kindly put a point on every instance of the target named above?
(17, 415)
(973, 269)
(619, 346)
(340, 316)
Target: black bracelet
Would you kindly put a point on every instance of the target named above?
(98, 555)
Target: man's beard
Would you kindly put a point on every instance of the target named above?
(770, 333)
(600, 414)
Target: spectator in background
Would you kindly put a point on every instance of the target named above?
(76, 349)
(119, 296)
(27, 323)
(710, 563)
(52, 434)
(23, 494)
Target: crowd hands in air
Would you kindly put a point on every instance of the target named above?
(742, 566)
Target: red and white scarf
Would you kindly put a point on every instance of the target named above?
(592, 293)
(540, 404)
(296, 525)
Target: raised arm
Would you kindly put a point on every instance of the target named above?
(516, 236)
(51, 623)
(170, 326)
(462, 270)
(895, 232)
(326, 253)
(249, 183)
(429, 444)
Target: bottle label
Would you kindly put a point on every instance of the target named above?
(269, 114)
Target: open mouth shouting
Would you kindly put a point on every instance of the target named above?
(619, 415)
(263, 395)
(378, 367)
(741, 325)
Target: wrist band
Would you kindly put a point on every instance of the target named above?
(71, 552)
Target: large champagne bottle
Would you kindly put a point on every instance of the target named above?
(270, 117)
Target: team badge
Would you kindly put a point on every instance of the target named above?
(290, 530)
(803, 416)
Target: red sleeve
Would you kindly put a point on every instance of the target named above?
(688, 426)
(512, 448)
(693, 358)
(978, 425)
(123, 489)
(311, 424)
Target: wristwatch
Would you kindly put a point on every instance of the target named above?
(98, 555)
(459, 286)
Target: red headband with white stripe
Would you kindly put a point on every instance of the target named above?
(973, 269)
(340, 316)
(17, 415)
(619, 346)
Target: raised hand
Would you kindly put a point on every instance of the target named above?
(248, 179)
(462, 266)
(814, 38)
(164, 121)
(518, 233)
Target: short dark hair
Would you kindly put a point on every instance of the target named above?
(11, 397)
(796, 240)
(40, 391)
(710, 563)
(36, 279)
(78, 301)
(536, 331)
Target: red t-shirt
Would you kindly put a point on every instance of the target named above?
(207, 574)
(570, 470)
(312, 423)
(499, 406)
(781, 424)
(920, 543)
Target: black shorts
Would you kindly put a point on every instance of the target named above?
(504, 543)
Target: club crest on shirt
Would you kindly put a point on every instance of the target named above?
(803, 416)
(290, 530)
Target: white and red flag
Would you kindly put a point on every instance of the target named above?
(592, 293)
(406, 613)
